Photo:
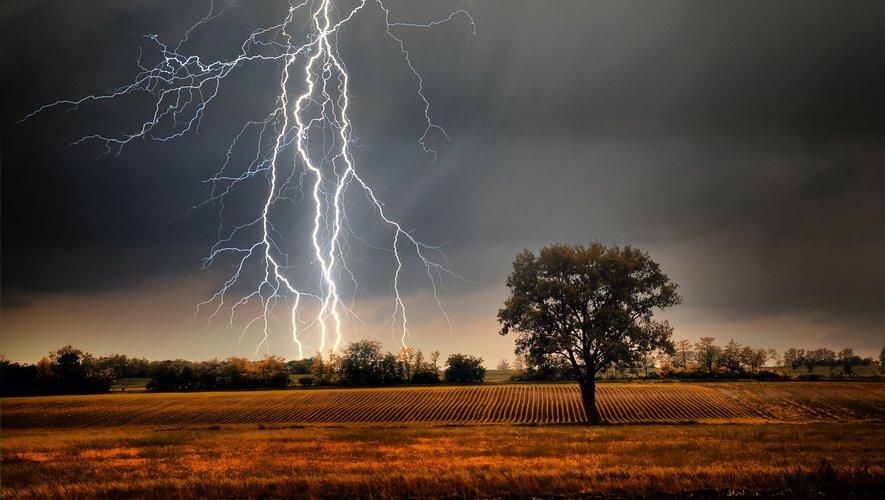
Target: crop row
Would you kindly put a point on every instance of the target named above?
(516, 403)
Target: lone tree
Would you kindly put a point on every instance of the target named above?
(590, 306)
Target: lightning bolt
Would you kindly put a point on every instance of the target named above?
(304, 156)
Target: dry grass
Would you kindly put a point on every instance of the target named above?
(507, 403)
(427, 460)
(429, 442)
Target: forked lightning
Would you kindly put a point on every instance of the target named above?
(304, 154)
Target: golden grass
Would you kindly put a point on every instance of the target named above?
(432, 460)
(499, 403)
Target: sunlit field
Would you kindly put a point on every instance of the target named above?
(442, 460)
(489, 440)
(728, 402)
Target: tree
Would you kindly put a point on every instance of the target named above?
(503, 365)
(794, 358)
(67, 363)
(180, 375)
(426, 372)
(300, 366)
(683, 354)
(707, 353)
(754, 358)
(361, 363)
(591, 307)
(464, 369)
(325, 371)
(848, 360)
(69, 370)
(407, 361)
(882, 359)
(648, 360)
(731, 357)
(823, 357)
(120, 366)
(808, 361)
(773, 355)
(271, 372)
(17, 379)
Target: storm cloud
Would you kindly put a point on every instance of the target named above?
(742, 144)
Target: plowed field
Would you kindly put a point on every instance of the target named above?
(510, 403)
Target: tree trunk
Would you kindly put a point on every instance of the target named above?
(588, 399)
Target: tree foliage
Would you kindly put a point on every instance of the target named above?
(67, 370)
(683, 354)
(754, 358)
(464, 369)
(707, 353)
(229, 374)
(364, 363)
(592, 307)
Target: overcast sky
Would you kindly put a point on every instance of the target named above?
(741, 143)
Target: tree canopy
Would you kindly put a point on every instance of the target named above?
(591, 306)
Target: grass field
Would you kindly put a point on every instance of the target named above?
(774, 438)
(425, 460)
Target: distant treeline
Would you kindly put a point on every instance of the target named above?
(705, 360)
(364, 363)
(71, 371)
(64, 371)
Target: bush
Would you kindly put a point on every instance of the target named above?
(464, 369)
(305, 381)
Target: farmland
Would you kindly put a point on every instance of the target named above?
(429, 460)
(488, 440)
(506, 403)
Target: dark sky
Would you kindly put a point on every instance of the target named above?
(741, 143)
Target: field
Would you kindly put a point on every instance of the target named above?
(504, 403)
(784, 437)
(489, 460)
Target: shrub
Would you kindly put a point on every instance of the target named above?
(464, 369)
(305, 381)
